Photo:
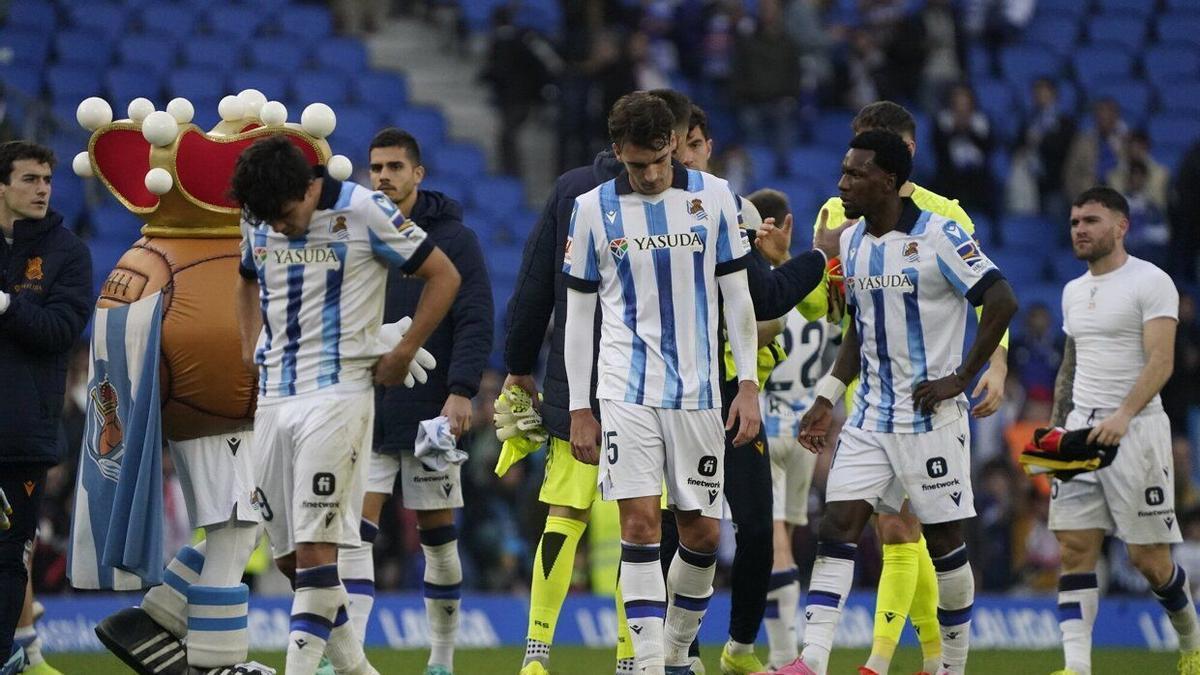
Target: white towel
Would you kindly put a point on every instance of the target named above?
(435, 445)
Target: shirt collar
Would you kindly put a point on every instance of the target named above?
(679, 179)
(330, 191)
(909, 214)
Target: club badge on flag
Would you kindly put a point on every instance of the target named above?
(116, 527)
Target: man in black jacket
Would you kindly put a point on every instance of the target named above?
(540, 291)
(45, 300)
(461, 344)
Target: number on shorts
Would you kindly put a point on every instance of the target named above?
(610, 443)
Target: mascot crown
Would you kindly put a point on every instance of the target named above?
(174, 175)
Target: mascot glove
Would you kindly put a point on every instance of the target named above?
(422, 362)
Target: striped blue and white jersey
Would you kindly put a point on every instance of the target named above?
(791, 388)
(908, 292)
(655, 259)
(322, 293)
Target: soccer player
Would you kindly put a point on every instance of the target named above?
(907, 584)
(315, 255)
(655, 228)
(1120, 319)
(460, 344)
(788, 394)
(907, 273)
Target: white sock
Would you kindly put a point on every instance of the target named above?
(536, 650)
(689, 587)
(166, 603)
(319, 594)
(228, 548)
(626, 667)
(443, 590)
(1176, 598)
(783, 598)
(1078, 600)
(956, 597)
(27, 638)
(356, 566)
(218, 633)
(344, 649)
(645, 594)
(832, 575)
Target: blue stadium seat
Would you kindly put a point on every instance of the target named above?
(1177, 129)
(542, 17)
(22, 78)
(1058, 32)
(1122, 29)
(815, 164)
(324, 87)
(1135, 96)
(32, 16)
(1180, 98)
(344, 55)
(478, 14)
(463, 159)
(222, 54)
(196, 85)
(1166, 65)
(1140, 8)
(307, 22)
(1169, 154)
(1023, 63)
(125, 84)
(423, 122)
(383, 91)
(497, 194)
(1179, 27)
(72, 82)
(271, 83)
(995, 98)
(81, 47)
(356, 125)
(152, 54)
(163, 18)
(27, 48)
(107, 19)
(452, 187)
(1068, 7)
(68, 191)
(1098, 62)
(236, 22)
(280, 54)
(832, 129)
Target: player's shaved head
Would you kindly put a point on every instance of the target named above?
(886, 116)
(770, 204)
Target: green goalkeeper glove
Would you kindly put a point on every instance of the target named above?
(519, 426)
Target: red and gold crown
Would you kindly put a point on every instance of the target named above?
(174, 175)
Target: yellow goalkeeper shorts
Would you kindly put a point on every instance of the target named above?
(568, 481)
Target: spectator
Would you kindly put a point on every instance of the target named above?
(1154, 179)
(962, 142)
(1045, 137)
(901, 38)
(862, 69)
(519, 65)
(943, 51)
(1181, 395)
(1036, 353)
(355, 17)
(995, 23)
(1148, 235)
(1095, 151)
(648, 73)
(804, 21)
(766, 83)
(1184, 213)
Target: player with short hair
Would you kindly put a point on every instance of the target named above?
(634, 240)
(315, 255)
(907, 583)
(460, 344)
(1120, 319)
(907, 274)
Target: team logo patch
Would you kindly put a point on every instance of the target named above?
(33, 269)
(323, 484)
(696, 208)
(708, 466)
(936, 467)
(403, 225)
(969, 252)
(619, 247)
(106, 442)
(911, 251)
(1154, 496)
(338, 228)
(567, 251)
(260, 255)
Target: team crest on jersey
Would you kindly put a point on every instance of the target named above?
(567, 251)
(338, 227)
(106, 442)
(619, 247)
(33, 269)
(696, 208)
(911, 252)
(260, 255)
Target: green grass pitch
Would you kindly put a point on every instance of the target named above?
(572, 660)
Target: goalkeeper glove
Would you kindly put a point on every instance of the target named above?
(837, 292)
(422, 362)
(1064, 453)
(519, 426)
(5, 511)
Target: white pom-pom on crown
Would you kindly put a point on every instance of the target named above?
(93, 112)
(253, 99)
(318, 119)
(160, 128)
(231, 108)
(273, 113)
(159, 181)
(181, 109)
(82, 165)
(339, 167)
(139, 108)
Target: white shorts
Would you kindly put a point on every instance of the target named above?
(792, 467)
(216, 474)
(423, 490)
(933, 469)
(642, 447)
(1134, 497)
(311, 457)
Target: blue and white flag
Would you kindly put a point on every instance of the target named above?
(116, 527)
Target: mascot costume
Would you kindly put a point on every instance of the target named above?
(166, 367)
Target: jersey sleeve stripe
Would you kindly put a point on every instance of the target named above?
(656, 221)
(864, 379)
(887, 393)
(695, 181)
(724, 249)
(922, 221)
(916, 342)
(343, 200)
(331, 321)
(952, 277)
(704, 355)
(614, 228)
